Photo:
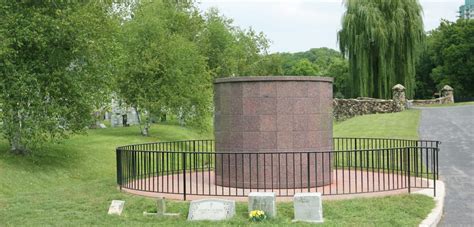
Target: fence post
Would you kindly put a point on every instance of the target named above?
(409, 171)
(309, 172)
(433, 157)
(184, 175)
(437, 152)
(134, 164)
(118, 155)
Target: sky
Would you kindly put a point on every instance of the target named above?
(297, 25)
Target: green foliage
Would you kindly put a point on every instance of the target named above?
(304, 68)
(314, 62)
(164, 71)
(425, 85)
(451, 49)
(171, 53)
(53, 60)
(382, 40)
(230, 50)
(271, 64)
(320, 58)
(61, 62)
(339, 70)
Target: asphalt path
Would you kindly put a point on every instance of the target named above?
(454, 127)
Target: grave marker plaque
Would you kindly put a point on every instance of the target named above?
(116, 207)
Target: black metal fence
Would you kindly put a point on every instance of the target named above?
(354, 165)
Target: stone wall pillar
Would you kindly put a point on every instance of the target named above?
(447, 92)
(399, 97)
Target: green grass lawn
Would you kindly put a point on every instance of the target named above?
(403, 125)
(73, 183)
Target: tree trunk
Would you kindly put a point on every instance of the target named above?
(17, 147)
(144, 125)
(145, 131)
(14, 125)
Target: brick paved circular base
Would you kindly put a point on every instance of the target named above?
(201, 185)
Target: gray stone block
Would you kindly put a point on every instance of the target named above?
(308, 207)
(265, 201)
(211, 210)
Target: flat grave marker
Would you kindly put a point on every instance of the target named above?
(116, 207)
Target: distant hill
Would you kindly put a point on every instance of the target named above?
(320, 58)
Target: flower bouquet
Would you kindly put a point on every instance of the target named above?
(257, 215)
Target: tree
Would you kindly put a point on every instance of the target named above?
(216, 42)
(450, 50)
(425, 85)
(320, 58)
(381, 40)
(53, 60)
(164, 71)
(304, 68)
(339, 70)
(271, 64)
(171, 54)
(230, 50)
(316, 61)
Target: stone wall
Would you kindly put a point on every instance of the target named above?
(442, 100)
(347, 108)
(447, 97)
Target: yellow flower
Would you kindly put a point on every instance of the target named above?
(253, 213)
(256, 213)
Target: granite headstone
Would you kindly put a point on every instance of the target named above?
(265, 201)
(211, 209)
(308, 207)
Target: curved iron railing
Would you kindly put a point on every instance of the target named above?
(354, 165)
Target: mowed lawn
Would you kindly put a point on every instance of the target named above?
(73, 183)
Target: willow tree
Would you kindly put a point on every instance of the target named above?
(381, 39)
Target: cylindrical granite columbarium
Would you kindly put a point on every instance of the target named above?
(259, 124)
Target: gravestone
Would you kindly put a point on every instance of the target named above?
(116, 207)
(211, 209)
(160, 206)
(265, 201)
(160, 209)
(308, 207)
